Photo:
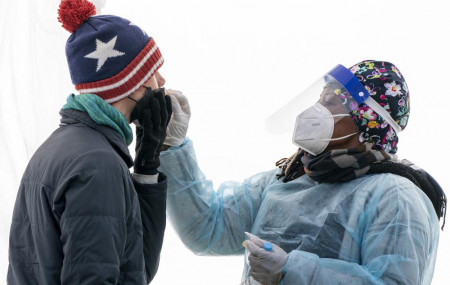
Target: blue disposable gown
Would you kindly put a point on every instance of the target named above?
(377, 229)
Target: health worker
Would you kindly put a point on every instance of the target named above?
(342, 210)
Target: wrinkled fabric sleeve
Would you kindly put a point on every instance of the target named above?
(397, 233)
(152, 201)
(94, 235)
(209, 221)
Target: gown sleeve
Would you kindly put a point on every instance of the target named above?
(209, 221)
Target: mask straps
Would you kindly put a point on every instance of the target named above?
(132, 99)
(344, 137)
(147, 88)
(335, 139)
(341, 115)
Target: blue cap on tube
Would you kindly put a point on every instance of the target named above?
(267, 246)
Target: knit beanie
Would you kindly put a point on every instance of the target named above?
(108, 56)
(388, 88)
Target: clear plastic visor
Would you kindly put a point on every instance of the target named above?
(326, 91)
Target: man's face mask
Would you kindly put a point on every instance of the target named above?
(142, 104)
(314, 128)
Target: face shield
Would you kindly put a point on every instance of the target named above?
(334, 96)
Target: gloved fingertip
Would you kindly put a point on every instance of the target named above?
(180, 97)
(257, 240)
(183, 101)
(253, 248)
(248, 235)
(168, 91)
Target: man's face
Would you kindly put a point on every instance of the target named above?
(154, 82)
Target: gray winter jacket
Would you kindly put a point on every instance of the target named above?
(79, 217)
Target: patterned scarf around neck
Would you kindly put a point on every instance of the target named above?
(342, 165)
(102, 113)
(338, 165)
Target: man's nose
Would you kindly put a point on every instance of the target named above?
(161, 80)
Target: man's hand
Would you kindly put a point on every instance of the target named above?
(153, 113)
(177, 128)
(266, 267)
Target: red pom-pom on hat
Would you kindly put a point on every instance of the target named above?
(73, 13)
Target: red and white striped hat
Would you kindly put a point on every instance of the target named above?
(108, 56)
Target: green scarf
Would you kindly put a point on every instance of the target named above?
(102, 113)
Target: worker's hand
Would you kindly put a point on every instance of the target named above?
(153, 113)
(266, 267)
(177, 128)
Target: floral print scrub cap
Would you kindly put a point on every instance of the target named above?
(387, 87)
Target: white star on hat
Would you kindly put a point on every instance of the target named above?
(104, 51)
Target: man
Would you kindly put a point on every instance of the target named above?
(80, 217)
(342, 210)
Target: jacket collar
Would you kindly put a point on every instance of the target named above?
(71, 116)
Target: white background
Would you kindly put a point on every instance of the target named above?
(237, 61)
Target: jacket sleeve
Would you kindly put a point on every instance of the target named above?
(396, 232)
(93, 225)
(209, 221)
(152, 201)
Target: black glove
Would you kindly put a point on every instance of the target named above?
(153, 112)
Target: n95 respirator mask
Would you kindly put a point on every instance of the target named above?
(314, 129)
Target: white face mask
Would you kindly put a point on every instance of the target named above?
(314, 128)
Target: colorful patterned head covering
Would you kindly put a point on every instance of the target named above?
(387, 87)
